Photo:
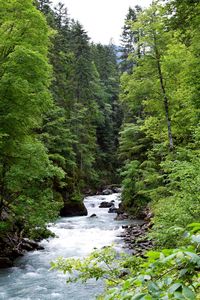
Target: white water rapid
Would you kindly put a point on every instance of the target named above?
(31, 279)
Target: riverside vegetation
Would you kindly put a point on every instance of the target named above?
(59, 118)
(65, 106)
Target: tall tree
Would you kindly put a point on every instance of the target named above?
(111, 115)
(159, 133)
(130, 40)
(25, 169)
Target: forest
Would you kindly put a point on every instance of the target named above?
(76, 117)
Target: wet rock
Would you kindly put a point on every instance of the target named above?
(149, 216)
(73, 208)
(122, 235)
(15, 253)
(116, 190)
(136, 237)
(113, 210)
(30, 245)
(93, 216)
(5, 262)
(107, 192)
(121, 208)
(106, 204)
(121, 217)
(88, 192)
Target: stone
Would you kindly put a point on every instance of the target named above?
(113, 210)
(30, 245)
(121, 209)
(116, 190)
(73, 209)
(121, 217)
(124, 226)
(93, 216)
(107, 192)
(106, 204)
(136, 237)
(5, 262)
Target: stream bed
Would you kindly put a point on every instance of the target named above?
(31, 279)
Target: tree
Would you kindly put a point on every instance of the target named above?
(25, 169)
(161, 99)
(130, 40)
(110, 112)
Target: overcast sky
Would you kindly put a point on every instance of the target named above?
(102, 19)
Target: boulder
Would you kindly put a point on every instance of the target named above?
(113, 210)
(106, 204)
(116, 190)
(30, 245)
(73, 209)
(93, 216)
(121, 217)
(107, 192)
(5, 262)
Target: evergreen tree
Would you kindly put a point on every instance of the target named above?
(111, 114)
(130, 41)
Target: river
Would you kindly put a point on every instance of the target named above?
(31, 279)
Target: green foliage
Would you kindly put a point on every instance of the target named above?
(129, 41)
(159, 138)
(109, 118)
(85, 89)
(26, 173)
(97, 265)
(58, 111)
(165, 274)
(181, 207)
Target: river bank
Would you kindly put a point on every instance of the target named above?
(14, 244)
(30, 277)
(134, 235)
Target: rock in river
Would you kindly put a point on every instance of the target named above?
(73, 208)
(106, 204)
(113, 210)
(107, 192)
(5, 262)
(93, 216)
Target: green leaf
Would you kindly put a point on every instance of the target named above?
(126, 284)
(196, 239)
(188, 293)
(139, 297)
(194, 256)
(175, 287)
(178, 296)
(152, 287)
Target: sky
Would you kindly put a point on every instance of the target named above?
(102, 19)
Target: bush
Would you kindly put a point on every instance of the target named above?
(162, 275)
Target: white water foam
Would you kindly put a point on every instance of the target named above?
(76, 237)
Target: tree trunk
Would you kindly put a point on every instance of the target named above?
(165, 98)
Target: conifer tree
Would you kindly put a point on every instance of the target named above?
(130, 41)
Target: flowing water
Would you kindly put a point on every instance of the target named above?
(31, 279)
